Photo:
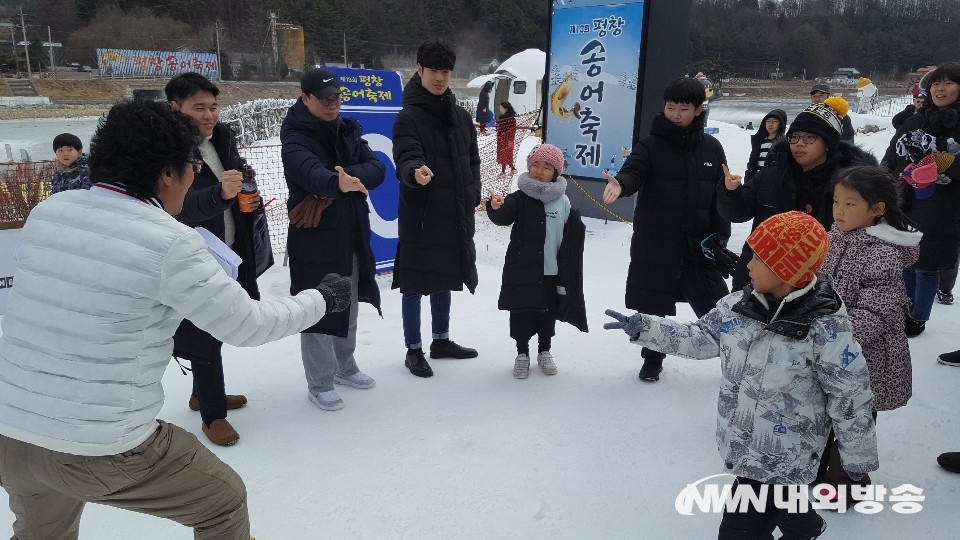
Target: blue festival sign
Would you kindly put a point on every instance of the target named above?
(137, 63)
(594, 61)
(374, 97)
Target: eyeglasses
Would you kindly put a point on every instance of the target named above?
(197, 165)
(331, 101)
(807, 138)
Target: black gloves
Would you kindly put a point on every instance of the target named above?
(714, 247)
(336, 292)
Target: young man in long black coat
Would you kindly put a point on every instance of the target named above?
(329, 166)
(675, 170)
(438, 165)
(211, 204)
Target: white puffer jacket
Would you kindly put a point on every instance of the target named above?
(102, 281)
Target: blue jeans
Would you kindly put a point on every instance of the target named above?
(922, 288)
(439, 314)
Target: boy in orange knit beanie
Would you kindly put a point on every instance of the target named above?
(791, 372)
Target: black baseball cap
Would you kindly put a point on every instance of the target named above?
(820, 88)
(321, 83)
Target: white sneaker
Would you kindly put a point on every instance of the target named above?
(357, 380)
(545, 361)
(521, 366)
(328, 401)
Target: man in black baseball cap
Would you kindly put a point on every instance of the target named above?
(321, 83)
(819, 94)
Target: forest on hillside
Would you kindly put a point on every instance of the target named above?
(884, 39)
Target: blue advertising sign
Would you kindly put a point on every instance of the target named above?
(594, 62)
(136, 63)
(374, 98)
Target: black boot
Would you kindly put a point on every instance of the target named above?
(950, 461)
(950, 359)
(445, 348)
(417, 363)
(651, 370)
(914, 328)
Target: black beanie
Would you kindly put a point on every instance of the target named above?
(819, 119)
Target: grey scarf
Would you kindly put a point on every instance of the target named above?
(542, 191)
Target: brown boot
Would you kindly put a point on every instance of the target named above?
(233, 402)
(221, 432)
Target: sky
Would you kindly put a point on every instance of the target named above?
(592, 452)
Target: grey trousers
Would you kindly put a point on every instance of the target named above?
(323, 355)
(170, 475)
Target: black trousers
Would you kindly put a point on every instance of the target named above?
(543, 324)
(698, 293)
(210, 389)
(759, 525)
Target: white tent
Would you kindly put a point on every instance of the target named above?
(519, 80)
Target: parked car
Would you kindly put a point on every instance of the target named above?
(83, 68)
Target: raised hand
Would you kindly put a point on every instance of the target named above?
(731, 181)
(612, 190)
(632, 325)
(423, 175)
(350, 183)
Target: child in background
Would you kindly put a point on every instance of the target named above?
(791, 370)
(871, 243)
(506, 137)
(543, 270)
(72, 171)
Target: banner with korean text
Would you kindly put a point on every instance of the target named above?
(136, 63)
(594, 60)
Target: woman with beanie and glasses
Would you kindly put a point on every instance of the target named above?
(923, 153)
(797, 176)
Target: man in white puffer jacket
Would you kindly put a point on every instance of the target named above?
(103, 278)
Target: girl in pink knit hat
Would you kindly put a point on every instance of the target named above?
(543, 270)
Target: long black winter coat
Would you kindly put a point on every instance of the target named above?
(435, 251)
(522, 288)
(760, 137)
(781, 186)
(675, 170)
(937, 217)
(310, 150)
(204, 207)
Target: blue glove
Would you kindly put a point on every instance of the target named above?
(631, 325)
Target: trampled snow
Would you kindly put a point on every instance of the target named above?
(592, 452)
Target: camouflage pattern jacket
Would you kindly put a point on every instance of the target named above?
(76, 176)
(791, 372)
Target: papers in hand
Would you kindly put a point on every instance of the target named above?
(227, 258)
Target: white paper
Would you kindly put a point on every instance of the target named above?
(227, 258)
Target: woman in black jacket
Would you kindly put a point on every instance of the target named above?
(923, 153)
(796, 177)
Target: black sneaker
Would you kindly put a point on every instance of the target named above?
(417, 363)
(444, 348)
(914, 328)
(950, 461)
(651, 370)
(945, 297)
(950, 359)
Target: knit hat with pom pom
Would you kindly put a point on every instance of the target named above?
(822, 119)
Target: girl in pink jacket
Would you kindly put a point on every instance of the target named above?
(871, 243)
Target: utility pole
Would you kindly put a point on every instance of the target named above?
(50, 44)
(26, 44)
(273, 41)
(345, 49)
(219, 61)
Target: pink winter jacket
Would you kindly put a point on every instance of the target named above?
(866, 266)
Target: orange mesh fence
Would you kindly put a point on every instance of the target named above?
(23, 184)
(498, 152)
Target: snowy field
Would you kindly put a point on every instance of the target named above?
(592, 452)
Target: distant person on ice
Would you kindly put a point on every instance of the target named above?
(104, 277)
(791, 371)
(438, 165)
(677, 253)
(71, 171)
(543, 269)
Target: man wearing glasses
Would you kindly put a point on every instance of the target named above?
(329, 169)
(211, 203)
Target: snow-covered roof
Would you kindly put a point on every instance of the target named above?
(530, 64)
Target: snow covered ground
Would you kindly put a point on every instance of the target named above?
(592, 452)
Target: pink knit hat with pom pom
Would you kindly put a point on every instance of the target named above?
(547, 153)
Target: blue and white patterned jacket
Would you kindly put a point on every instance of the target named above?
(791, 372)
(76, 176)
